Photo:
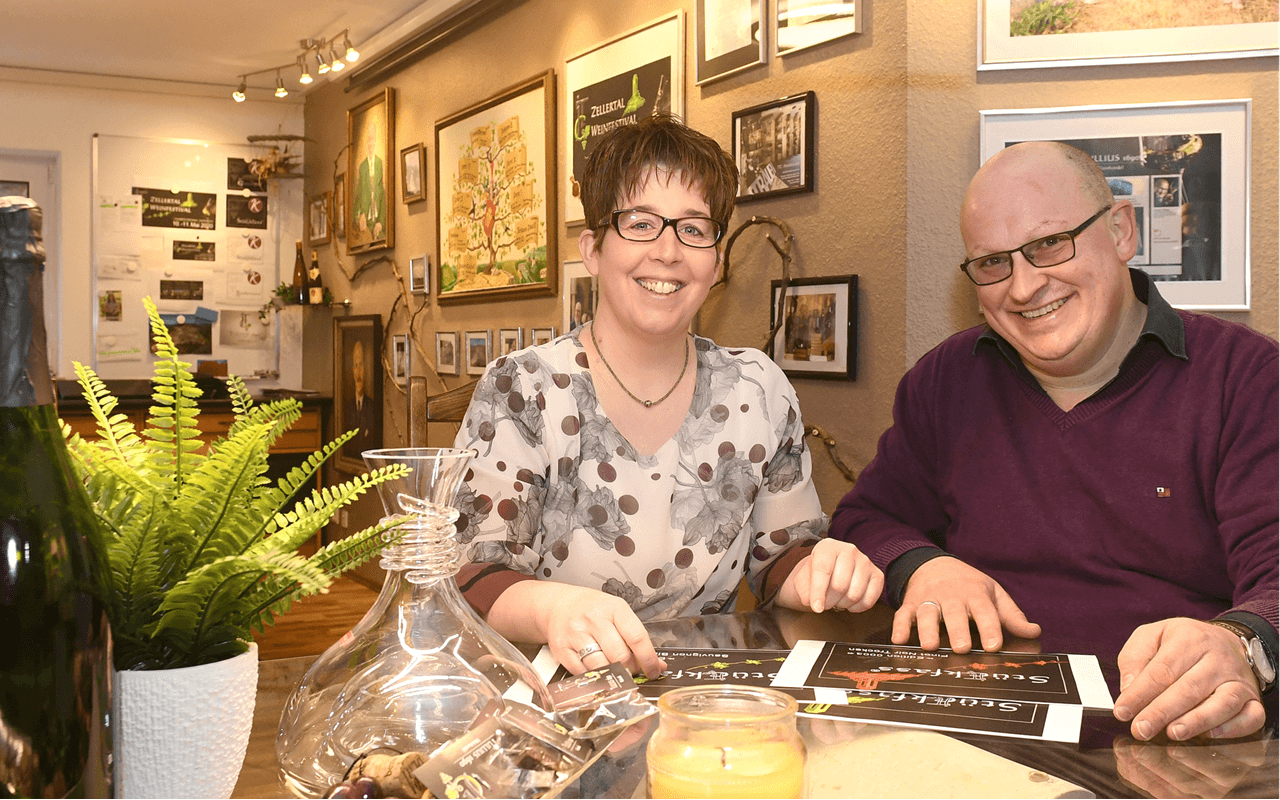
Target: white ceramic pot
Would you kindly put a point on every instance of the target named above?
(183, 732)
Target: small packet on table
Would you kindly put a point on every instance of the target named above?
(599, 702)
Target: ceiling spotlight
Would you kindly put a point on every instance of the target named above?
(337, 65)
(238, 94)
(321, 66)
(352, 54)
(280, 90)
(305, 77)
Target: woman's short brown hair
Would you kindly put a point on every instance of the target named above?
(625, 156)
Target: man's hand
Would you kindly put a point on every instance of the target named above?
(946, 589)
(835, 574)
(1186, 677)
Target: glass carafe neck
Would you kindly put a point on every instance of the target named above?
(427, 548)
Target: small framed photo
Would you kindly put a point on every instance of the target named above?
(412, 187)
(801, 24)
(447, 353)
(400, 358)
(579, 289)
(15, 188)
(510, 340)
(318, 219)
(773, 147)
(418, 272)
(479, 351)
(542, 335)
(818, 337)
(730, 37)
(340, 206)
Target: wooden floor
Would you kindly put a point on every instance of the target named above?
(312, 624)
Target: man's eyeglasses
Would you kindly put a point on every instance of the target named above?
(1047, 251)
(645, 226)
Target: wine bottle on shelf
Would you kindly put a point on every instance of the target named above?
(55, 661)
(315, 286)
(300, 277)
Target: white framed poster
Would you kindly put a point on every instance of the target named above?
(617, 82)
(1018, 35)
(1185, 168)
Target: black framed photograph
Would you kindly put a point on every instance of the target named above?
(478, 349)
(773, 147)
(357, 387)
(418, 266)
(447, 353)
(400, 358)
(510, 340)
(412, 187)
(818, 337)
(542, 335)
(730, 37)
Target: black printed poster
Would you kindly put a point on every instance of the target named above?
(164, 208)
(246, 212)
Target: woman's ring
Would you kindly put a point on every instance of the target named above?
(929, 603)
(588, 650)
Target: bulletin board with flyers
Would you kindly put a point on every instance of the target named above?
(190, 225)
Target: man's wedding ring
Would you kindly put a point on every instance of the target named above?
(588, 650)
(929, 603)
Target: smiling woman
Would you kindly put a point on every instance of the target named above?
(650, 487)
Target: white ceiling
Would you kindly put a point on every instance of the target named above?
(202, 43)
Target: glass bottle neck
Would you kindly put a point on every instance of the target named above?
(427, 548)
(24, 359)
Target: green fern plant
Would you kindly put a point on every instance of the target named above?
(202, 549)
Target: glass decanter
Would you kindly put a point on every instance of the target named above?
(415, 672)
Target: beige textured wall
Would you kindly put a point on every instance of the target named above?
(946, 93)
(897, 139)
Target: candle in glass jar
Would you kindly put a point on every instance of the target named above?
(726, 742)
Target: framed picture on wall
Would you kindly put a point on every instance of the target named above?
(400, 358)
(447, 352)
(357, 387)
(510, 340)
(496, 160)
(1185, 169)
(542, 335)
(318, 219)
(818, 337)
(478, 349)
(773, 147)
(801, 24)
(1018, 35)
(371, 173)
(730, 37)
(15, 188)
(340, 206)
(578, 291)
(412, 187)
(635, 74)
(418, 272)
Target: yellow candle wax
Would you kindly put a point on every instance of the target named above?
(726, 763)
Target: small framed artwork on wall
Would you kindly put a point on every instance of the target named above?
(818, 337)
(447, 353)
(510, 340)
(400, 358)
(318, 220)
(357, 387)
(418, 266)
(479, 351)
(773, 147)
(412, 187)
(578, 293)
(542, 335)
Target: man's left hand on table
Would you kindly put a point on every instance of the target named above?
(1187, 677)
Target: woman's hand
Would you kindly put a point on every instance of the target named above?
(570, 618)
(834, 575)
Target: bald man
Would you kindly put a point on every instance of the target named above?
(1091, 467)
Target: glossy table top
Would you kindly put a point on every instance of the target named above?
(850, 759)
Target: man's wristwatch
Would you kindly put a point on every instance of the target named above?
(1254, 652)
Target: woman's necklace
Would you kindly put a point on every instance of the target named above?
(645, 403)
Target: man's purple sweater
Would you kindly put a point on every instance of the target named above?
(1154, 498)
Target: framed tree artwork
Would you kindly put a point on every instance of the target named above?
(357, 387)
(818, 337)
(371, 174)
(495, 169)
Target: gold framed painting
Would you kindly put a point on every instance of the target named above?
(495, 179)
(371, 174)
